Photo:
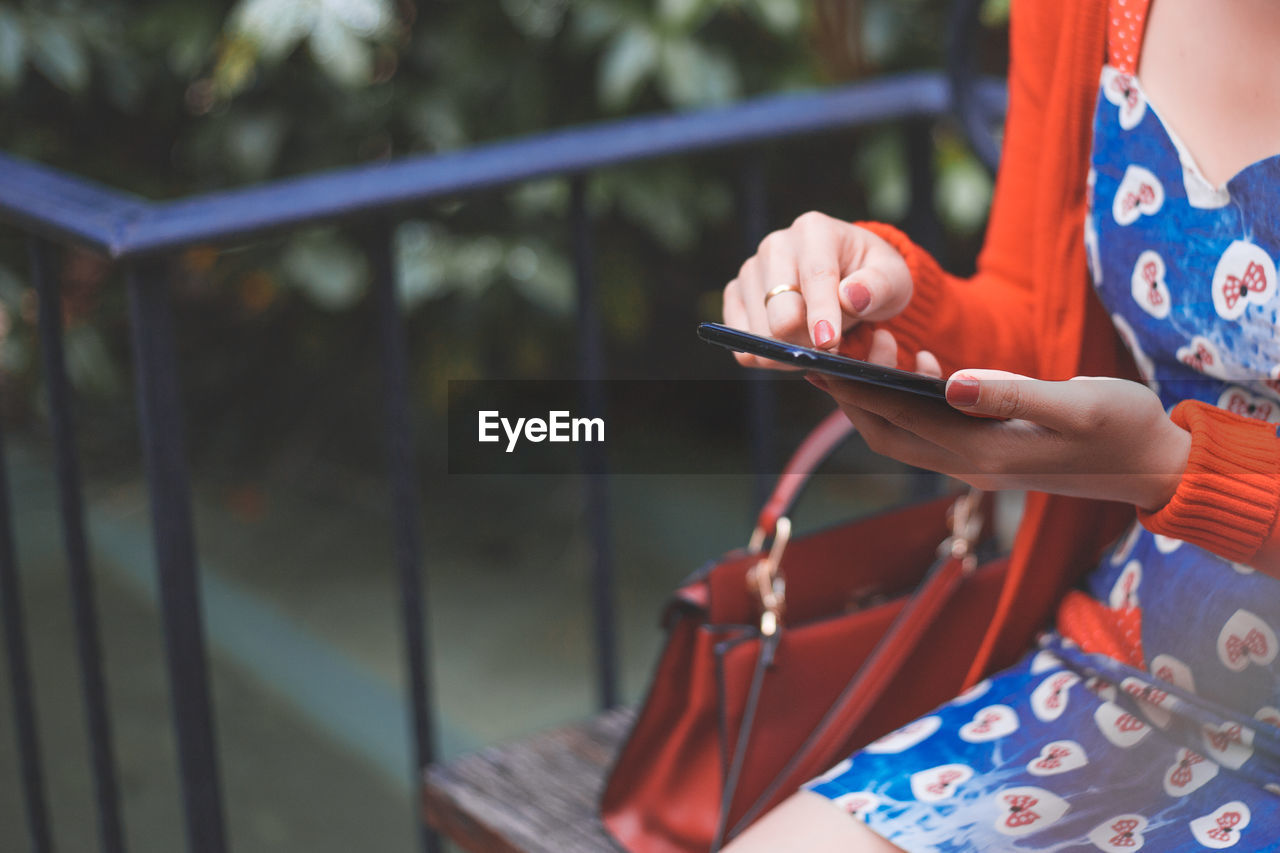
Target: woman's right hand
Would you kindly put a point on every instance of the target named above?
(845, 274)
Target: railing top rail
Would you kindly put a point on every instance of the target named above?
(122, 226)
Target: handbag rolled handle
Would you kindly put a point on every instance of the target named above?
(821, 442)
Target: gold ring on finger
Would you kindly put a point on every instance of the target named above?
(782, 288)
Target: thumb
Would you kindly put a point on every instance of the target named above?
(878, 288)
(999, 394)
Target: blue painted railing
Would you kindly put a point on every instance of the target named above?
(52, 208)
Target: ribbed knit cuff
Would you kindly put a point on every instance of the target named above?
(1229, 496)
(914, 325)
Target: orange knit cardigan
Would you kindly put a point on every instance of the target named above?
(1030, 309)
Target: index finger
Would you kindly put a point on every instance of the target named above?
(818, 268)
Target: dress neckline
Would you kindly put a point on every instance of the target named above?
(1202, 191)
(1126, 38)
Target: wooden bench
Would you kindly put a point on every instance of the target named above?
(538, 795)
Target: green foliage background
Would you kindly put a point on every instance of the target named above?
(170, 97)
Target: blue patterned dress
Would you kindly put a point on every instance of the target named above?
(1075, 751)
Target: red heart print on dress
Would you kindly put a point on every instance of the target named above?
(1154, 701)
(1169, 669)
(1189, 771)
(1059, 756)
(859, 803)
(1044, 661)
(1122, 90)
(1268, 715)
(1148, 285)
(1245, 275)
(1049, 699)
(1246, 639)
(1230, 744)
(991, 723)
(905, 737)
(1024, 810)
(1124, 592)
(1122, 832)
(1201, 355)
(1241, 402)
(976, 691)
(1222, 827)
(1140, 193)
(938, 783)
(1119, 726)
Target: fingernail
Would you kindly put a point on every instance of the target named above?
(857, 296)
(962, 392)
(822, 334)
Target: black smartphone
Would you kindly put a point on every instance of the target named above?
(808, 358)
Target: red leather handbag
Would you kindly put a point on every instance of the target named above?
(764, 684)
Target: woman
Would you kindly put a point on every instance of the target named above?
(1136, 223)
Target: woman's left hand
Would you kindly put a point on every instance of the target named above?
(1089, 437)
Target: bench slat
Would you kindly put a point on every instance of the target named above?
(538, 795)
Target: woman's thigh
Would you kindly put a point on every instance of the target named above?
(809, 823)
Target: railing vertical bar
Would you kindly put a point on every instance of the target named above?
(71, 505)
(406, 508)
(762, 402)
(591, 362)
(922, 216)
(164, 454)
(15, 642)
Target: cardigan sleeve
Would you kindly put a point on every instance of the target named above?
(1228, 498)
(989, 319)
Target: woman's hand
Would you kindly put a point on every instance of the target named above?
(1089, 437)
(824, 276)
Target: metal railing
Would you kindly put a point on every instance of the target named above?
(52, 209)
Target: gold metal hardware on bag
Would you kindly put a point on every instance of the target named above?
(765, 580)
(966, 522)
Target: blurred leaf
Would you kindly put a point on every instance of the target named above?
(542, 276)
(253, 143)
(882, 27)
(436, 122)
(881, 166)
(15, 356)
(58, 53)
(343, 55)
(548, 197)
(339, 32)
(274, 26)
(683, 15)
(13, 49)
(594, 21)
(963, 193)
(994, 12)
(539, 19)
(695, 76)
(11, 288)
(782, 17)
(368, 18)
(89, 364)
(419, 271)
(124, 83)
(628, 60)
(330, 272)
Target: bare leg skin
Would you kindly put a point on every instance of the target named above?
(809, 823)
